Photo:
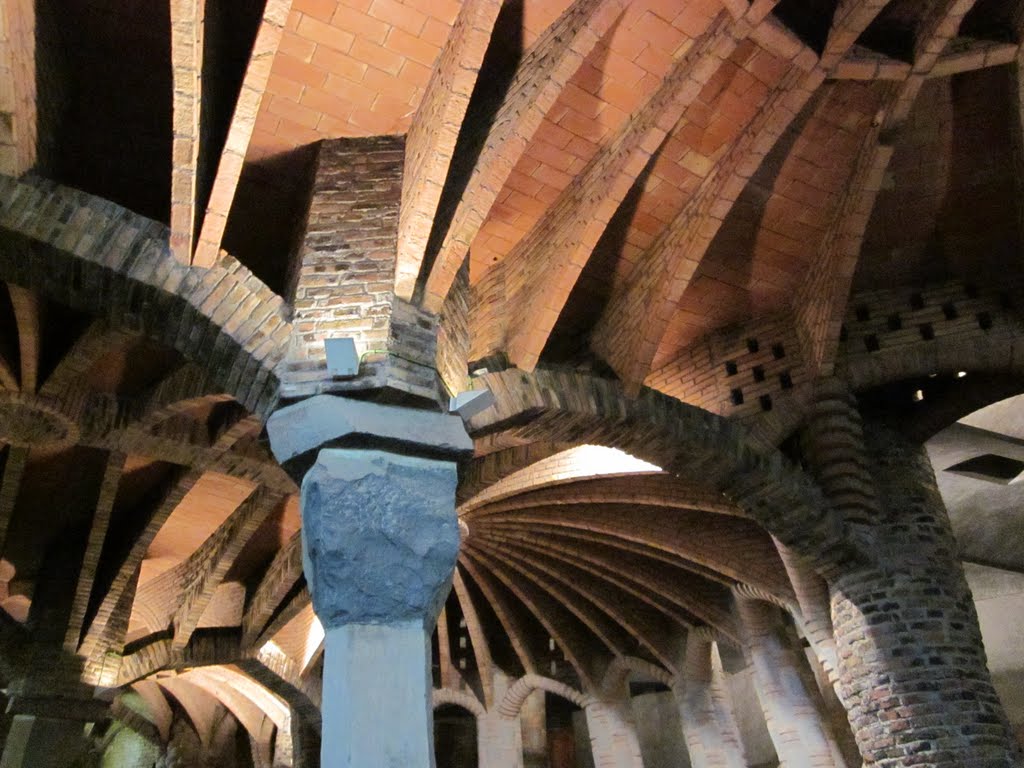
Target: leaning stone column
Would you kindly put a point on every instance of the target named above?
(380, 538)
(612, 730)
(705, 710)
(912, 666)
(800, 735)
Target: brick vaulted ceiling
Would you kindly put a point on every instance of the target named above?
(678, 194)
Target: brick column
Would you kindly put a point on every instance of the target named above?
(705, 710)
(533, 723)
(342, 283)
(912, 667)
(499, 739)
(802, 738)
(612, 730)
(499, 743)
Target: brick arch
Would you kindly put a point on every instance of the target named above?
(521, 689)
(875, 353)
(559, 406)
(1000, 355)
(624, 667)
(104, 260)
(466, 701)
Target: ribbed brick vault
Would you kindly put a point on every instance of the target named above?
(662, 234)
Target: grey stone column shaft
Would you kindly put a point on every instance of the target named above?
(380, 539)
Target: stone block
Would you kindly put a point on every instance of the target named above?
(298, 430)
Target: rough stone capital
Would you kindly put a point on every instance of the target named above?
(380, 536)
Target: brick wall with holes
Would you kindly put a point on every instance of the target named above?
(344, 280)
(737, 371)
(953, 315)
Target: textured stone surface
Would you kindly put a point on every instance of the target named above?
(380, 536)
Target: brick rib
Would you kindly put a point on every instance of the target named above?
(187, 18)
(645, 579)
(556, 406)
(236, 145)
(646, 303)
(97, 340)
(116, 604)
(541, 77)
(543, 267)
(735, 549)
(632, 326)
(477, 636)
(208, 565)
(100, 258)
(27, 315)
(450, 676)
(430, 143)
(10, 484)
(487, 471)
(586, 651)
(565, 594)
(656, 490)
(94, 549)
(8, 380)
(821, 300)
(282, 574)
(647, 623)
(288, 610)
(511, 622)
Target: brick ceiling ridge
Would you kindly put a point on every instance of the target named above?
(675, 436)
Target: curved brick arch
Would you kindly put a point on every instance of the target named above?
(467, 701)
(623, 667)
(101, 259)
(960, 328)
(521, 689)
(567, 407)
(1000, 355)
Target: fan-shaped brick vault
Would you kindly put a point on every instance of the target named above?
(511, 383)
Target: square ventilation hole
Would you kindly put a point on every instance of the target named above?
(990, 467)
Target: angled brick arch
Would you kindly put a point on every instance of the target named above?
(521, 689)
(562, 406)
(624, 667)
(102, 259)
